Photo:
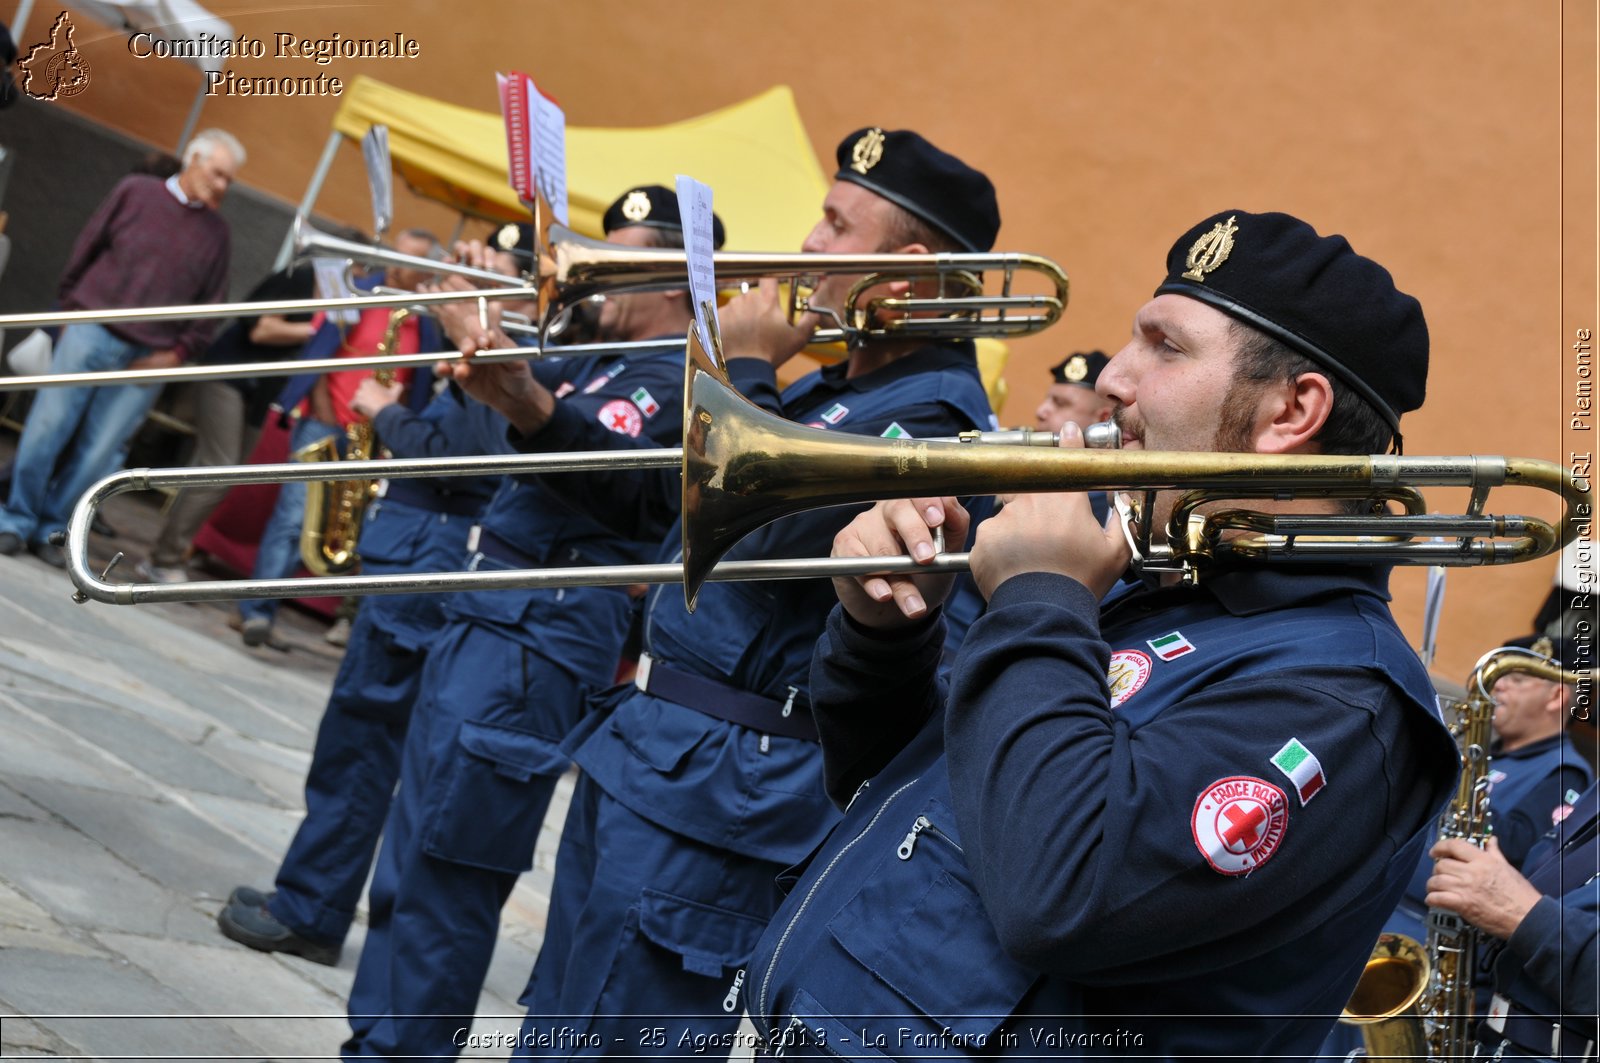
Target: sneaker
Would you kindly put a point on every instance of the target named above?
(10, 543)
(339, 633)
(249, 897)
(152, 573)
(256, 928)
(50, 554)
(255, 630)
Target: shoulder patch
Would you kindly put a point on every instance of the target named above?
(621, 416)
(1128, 672)
(894, 431)
(1302, 768)
(1171, 646)
(1239, 822)
(835, 413)
(646, 402)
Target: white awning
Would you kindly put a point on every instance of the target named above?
(173, 21)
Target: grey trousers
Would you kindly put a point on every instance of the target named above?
(216, 410)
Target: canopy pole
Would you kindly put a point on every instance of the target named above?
(20, 20)
(194, 116)
(324, 164)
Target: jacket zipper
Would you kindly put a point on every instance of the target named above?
(908, 844)
(766, 981)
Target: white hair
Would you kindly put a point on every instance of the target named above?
(202, 144)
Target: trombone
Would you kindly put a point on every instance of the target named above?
(743, 467)
(576, 268)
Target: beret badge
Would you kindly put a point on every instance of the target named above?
(867, 151)
(1076, 369)
(636, 207)
(1211, 250)
(505, 237)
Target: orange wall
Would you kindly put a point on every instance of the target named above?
(1429, 132)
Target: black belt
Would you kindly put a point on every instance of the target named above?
(790, 719)
(1534, 1035)
(433, 499)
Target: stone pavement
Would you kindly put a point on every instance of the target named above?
(149, 762)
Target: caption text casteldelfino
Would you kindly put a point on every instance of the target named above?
(318, 50)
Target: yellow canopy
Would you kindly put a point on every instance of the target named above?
(755, 155)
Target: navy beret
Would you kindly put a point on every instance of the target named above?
(937, 187)
(1314, 294)
(1082, 368)
(514, 237)
(654, 207)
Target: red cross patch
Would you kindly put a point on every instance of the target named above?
(1239, 822)
(1126, 675)
(622, 417)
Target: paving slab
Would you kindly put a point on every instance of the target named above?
(23, 1037)
(34, 748)
(83, 885)
(165, 842)
(262, 1001)
(153, 750)
(149, 763)
(121, 1010)
(280, 771)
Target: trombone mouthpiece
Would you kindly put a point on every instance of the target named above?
(1105, 435)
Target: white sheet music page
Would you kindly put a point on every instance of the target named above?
(694, 206)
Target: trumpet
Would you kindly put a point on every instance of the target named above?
(743, 467)
(576, 268)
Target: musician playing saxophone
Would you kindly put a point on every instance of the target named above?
(319, 408)
(1545, 921)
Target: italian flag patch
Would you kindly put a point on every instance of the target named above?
(1302, 767)
(835, 413)
(646, 402)
(894, 431)
(1169, 647)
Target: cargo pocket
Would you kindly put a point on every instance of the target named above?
(918, 926)
(494, 798)
(392, 535)
(379, 678)
(675, 957)
(658, 734)
(711, 940)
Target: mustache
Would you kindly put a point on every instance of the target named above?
(1127, 422)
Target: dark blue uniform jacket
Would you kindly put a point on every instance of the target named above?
(419, 525)
(721, 783)
(607, 402)
(1171, 828)
(1548, 969)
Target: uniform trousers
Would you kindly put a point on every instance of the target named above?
(480, 763)
(354, 766)
(646, 936)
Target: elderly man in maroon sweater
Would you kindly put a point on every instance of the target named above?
(151, 243)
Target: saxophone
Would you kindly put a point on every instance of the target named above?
(1414, 1001)
(335, 509)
